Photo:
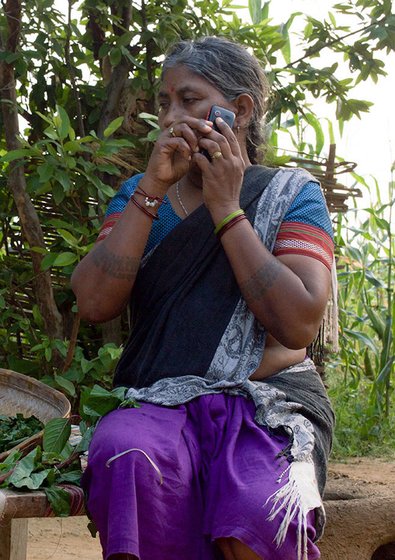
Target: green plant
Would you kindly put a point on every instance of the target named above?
(365, 396)
(56, 461)
(77, 90)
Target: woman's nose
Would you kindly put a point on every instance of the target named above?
(171, 116)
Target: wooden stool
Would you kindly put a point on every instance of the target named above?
(15, 510)
(360, 519)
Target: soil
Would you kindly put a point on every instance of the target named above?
(69, 539)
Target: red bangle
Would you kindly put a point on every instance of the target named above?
(230, 224)
(134, 201)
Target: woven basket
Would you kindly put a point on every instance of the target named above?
(22, 394)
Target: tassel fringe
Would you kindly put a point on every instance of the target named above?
(297, 497)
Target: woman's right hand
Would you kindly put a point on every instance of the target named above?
(172, 153)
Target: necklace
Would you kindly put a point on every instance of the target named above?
(179, 198)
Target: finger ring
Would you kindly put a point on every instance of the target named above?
(216, 155)
(171, 131)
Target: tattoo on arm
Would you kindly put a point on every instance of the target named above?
(116, 266)
(262, 280)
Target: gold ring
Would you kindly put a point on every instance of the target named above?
(216, 155)
(171, 132)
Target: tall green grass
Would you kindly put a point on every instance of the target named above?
(361, 376)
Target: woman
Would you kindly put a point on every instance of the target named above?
(226, 457)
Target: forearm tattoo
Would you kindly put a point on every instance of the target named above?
(116, 266)
(262, 280)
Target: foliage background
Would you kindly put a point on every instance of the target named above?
(73, 88)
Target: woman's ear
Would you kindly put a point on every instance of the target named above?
(244, 107)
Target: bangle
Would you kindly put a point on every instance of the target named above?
(230, 224)
(150, 201)
(134, 201)
(227, 219)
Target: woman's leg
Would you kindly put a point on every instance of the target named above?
(143, 485)
(233, 549)
(244, 467)
(122, 557)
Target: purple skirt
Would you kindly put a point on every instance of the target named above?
(195, 473)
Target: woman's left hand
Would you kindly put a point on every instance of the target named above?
(222, 176)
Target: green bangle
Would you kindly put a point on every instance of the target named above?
(227, 219)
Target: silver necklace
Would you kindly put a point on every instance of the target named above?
(179, 198)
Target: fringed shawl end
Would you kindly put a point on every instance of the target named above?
(297, 497)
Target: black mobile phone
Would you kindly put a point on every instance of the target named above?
(225, 114)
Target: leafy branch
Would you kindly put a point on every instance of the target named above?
(56, 460)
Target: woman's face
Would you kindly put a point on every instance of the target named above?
(184, 93)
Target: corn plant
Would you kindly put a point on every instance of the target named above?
(367, 311)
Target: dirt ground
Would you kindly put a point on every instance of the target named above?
(69, 539)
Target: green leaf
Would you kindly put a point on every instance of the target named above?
(368, 365)
(376, 321)
(92, 529)
(308, 30)
(98, 401)
(113, 126)
(126, 52)
(74, 146)
(59, 500)
(70, 477)
(153, 135)
(32, 482)
(106, 189)
(265, 11)
(377, 282)
(45, 171)
(44, 117)
(65, 384)
(62, 122)
(115, 56)
(386, 371)
(319, 134)
(10, 460)
(333, 20)
(83, 444)
(70, 162)
(254, 7)
(68, 237)
(58, 193)
(48, 261)
(16, 154)
(64, 259)
(64, 180)
(56, 434)
(363, 338)
(125, 39)
(104, 50)
(23, 470)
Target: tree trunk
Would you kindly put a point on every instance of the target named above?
(30, 223)
(112, 330)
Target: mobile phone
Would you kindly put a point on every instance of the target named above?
(225, 114)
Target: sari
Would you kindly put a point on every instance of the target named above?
(193, 334)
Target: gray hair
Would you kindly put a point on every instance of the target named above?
(230, 68)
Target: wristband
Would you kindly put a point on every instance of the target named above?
(230, 224)
(150, 201)
(146, 212)
(228, 219)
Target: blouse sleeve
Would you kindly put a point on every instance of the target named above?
(306, 228)
(117, 205)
